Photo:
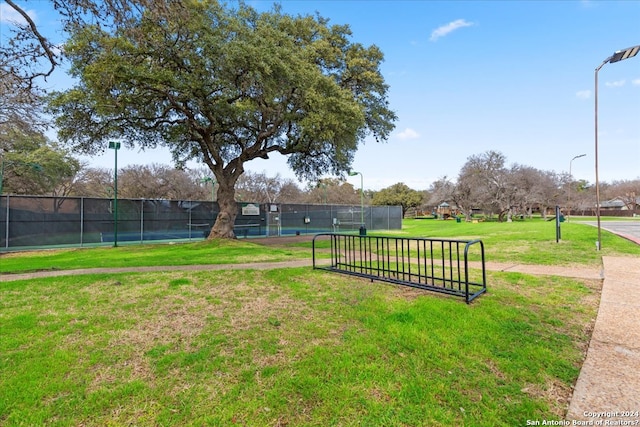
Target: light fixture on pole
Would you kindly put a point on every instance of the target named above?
(213, 186)
(570, 182)
(617, 56)
(115, 146)
(324, 188)
(363, 229)
(213, 195)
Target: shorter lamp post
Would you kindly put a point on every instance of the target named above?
(213, 186)
(213, 195)
(570, 179)
(363, 229)
(115, 146)
(324, 188)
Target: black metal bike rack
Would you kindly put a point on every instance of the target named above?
(439, 265)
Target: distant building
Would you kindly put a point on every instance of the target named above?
(617, 204)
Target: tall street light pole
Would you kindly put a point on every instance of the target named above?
(362, 227)
(115, 146)
(570, 180)
(617, 56)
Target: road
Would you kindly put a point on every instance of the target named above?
(627, 229)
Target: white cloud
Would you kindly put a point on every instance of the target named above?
(448, 28)
(617, 83)
(408, 133)
(583, 94)
(10, 16)
(635, 82)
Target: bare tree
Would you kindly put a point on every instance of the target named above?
(290, 192)
(484, 179)
(158, 181)
(550, 192)
(529, 194)
(93, 182)
(583, 199)
(484, 182)
(333, 191)
(260, 188)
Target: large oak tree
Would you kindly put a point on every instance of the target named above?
(225, 86)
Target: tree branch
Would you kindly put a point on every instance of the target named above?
(44, 43)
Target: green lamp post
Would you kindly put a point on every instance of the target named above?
(213, 195)
(213, 186)
(115, 146)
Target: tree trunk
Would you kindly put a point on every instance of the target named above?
(223, 227)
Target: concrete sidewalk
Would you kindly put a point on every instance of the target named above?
(163, 268)
(609, 382)
(549, 270)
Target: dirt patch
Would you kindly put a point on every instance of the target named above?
(281, 240)
(555, 392)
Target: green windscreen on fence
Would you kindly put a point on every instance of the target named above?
(39, 221)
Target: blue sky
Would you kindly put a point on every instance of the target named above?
(470, 76)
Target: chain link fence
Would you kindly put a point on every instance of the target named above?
(39, 222)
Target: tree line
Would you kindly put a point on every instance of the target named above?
(485, 183)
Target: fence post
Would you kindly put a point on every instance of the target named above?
(6, 230)
(81, 221)
(190, 222)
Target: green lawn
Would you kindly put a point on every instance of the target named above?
(528, 242)
(294, 347)
(204, 252)
(525, 242)
(287, 347)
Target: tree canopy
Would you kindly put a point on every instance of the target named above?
(224, 87)
(31, 164)
(485, 183)
(398, 195)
